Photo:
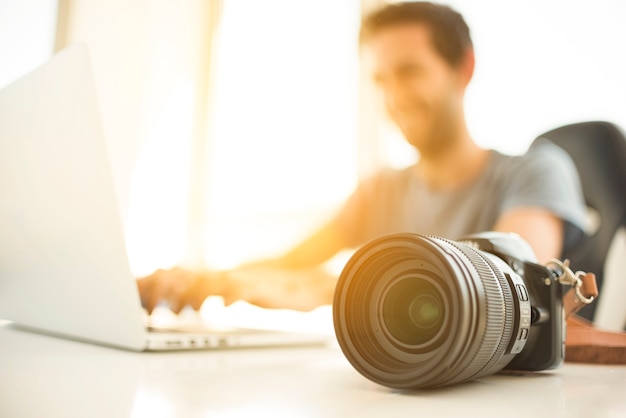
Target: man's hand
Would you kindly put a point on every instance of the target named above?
(179, 287)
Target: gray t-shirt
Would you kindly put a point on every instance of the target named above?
(398, 201)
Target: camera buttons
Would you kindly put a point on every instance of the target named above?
(523, 333)
(521, 292)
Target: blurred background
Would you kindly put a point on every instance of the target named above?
(236, 127)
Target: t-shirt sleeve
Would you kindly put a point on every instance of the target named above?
(546, 177)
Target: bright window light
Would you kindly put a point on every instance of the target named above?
(27, 31)
(284, 151)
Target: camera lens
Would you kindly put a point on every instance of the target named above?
(414, 311)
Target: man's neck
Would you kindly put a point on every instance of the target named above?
(454, 168)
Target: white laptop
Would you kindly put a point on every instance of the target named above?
(63, 264)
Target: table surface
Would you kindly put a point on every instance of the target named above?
(42, 376)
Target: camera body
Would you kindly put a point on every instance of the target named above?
(415, 311)
(540, 294)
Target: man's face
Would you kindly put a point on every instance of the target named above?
(423, 93)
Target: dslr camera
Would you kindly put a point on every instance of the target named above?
(414, 311)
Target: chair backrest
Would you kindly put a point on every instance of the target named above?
(598, 150)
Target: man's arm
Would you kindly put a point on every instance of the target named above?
(295, 280)
(312, 252)
(539, 227)
(543, 195)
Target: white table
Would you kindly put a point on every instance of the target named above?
(43, 376)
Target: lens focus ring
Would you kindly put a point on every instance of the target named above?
(499, 315)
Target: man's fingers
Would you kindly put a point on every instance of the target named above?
(145, 286)
(156, 292)
(199, 291)
(152, 289)
(178, 287)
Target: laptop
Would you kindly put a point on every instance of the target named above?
(64, 270)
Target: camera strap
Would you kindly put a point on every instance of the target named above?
(580, 294)
(585, 343)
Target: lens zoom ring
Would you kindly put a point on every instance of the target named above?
(509, 316)
(505, 302)
(498, 322)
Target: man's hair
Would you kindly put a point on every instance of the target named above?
(449, 33)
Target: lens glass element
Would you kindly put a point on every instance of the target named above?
(413, 310)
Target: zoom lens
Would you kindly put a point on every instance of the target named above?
(414, 311)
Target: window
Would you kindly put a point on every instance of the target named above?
(283, 151)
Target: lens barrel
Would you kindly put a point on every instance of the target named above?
(415, 311)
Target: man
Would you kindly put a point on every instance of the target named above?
(423, 61)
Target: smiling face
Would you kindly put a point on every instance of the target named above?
(423, 93)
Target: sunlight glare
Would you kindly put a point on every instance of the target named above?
(283, 152)
(157, 213)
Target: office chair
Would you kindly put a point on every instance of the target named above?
(598, 150)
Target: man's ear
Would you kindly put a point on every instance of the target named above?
(466, 68)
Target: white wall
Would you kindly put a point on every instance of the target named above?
(27, 29)
(544, 63)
